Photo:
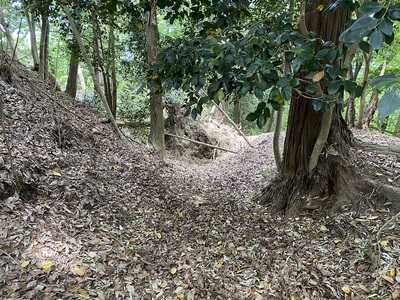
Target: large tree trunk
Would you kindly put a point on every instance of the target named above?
(296, 187)
(156, 137)
(72, 80)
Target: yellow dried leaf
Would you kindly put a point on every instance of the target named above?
(379, 174)
(279, 99)
(373, 217)
(180, 296)
(55, 173)
(346, 289)
(83, 293)
(139, 25)
(388, 278)
(78, 271)
(320, 7)
(46, 265)
(384, 243)
(158, 235)
(317, 77)
(173, 270)
(323, 228)
(392, 272)
(293, 298)
(219, 265)
(395, 294)
(25, 263)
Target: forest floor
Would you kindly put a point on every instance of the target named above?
(102, 218)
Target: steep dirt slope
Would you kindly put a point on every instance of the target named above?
(101, 218)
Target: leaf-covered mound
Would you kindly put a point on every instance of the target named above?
(100, 218)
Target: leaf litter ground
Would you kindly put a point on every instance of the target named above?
(100, 218)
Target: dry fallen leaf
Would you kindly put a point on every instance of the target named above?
(388, 278)
(25, 263)
(346, 289)
(173, 271)
(47, 266)
(323, 228)
(55, 173)
(78, 271)
(392, 272)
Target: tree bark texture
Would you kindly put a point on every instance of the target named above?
(237, 111)
(295, 189)
(156, 137)
(44, 46)
(223, 105)
(72, 81)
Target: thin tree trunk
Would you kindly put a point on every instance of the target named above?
(91, 69)
(367, 59)
(81, 78)
(397, 128)
(44, 46)
(32, 36)
(270, 121)
(237, 111)
(373, 103)
(113, 79)
(223, 105)
(9, 36)
(72, 81)
(156, 137)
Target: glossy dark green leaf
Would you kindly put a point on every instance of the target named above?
(267, 113)
(294, 83)
(251, 117)
(259, 93)
(386, 26)
(332, 55)
(261, 121)
(370, 8)
(364, 46)
(334, 86)
(389, 104)
(376, 39)
(384, 81)
(322, 53)
(394, 13)
(349, 86)
(317, 105)
(286, 93)
(358, 91)
(311, 89)
(366, 22)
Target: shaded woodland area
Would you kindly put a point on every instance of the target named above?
(199, 150)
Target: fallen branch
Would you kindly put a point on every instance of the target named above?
(233, 123)
(200, 143)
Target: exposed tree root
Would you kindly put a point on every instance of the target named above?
(324, 192)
